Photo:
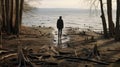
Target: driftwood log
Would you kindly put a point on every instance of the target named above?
(75, 59)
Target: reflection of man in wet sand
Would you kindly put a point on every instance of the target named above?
(60, 26)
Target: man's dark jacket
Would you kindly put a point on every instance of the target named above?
(60, 24)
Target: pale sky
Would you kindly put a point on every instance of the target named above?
(82, 4)
(60, 3)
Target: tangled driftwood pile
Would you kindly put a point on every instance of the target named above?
(48, 55)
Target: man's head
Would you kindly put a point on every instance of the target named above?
(60, 17)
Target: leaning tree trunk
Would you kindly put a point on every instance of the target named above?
(103, 20)
(117, 31)
(110, 21)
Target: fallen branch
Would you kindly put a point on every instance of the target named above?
(74, 59)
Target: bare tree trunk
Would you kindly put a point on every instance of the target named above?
(17, 17)
(7, 4)
(0, 11)
(110, 20)
(14, 16)
(103, 20)
(0, 24)
(21, 10)
(3, 15)
(11, 16)
(0, 15)
(117, 31)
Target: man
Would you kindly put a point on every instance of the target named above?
(60, 26)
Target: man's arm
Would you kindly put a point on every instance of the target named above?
(62, 24)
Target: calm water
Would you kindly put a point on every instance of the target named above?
(84, 19)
